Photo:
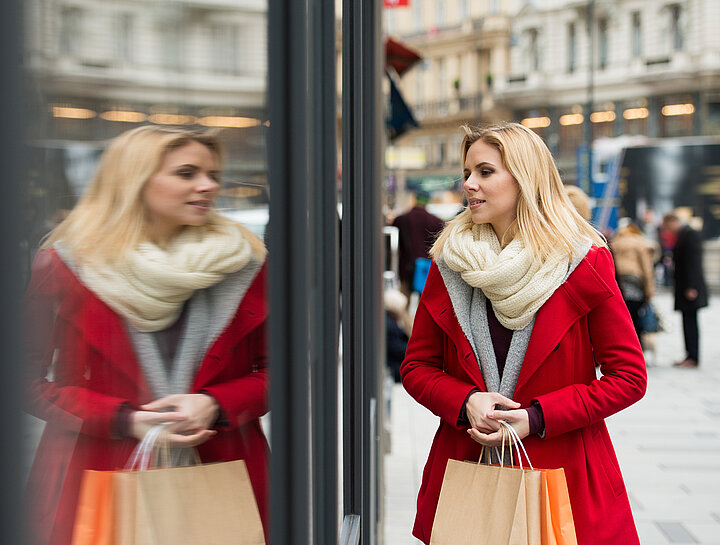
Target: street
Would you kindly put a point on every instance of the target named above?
(668, 444)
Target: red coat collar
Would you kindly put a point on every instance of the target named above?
(104, 330)
(577, 296)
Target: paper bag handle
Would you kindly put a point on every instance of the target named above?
(156, 437)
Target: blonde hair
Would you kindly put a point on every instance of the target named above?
(110, 219)
(546, 219)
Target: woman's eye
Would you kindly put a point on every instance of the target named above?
(486, 172)
(186, 174)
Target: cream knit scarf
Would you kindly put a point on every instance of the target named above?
(150, 287)
(516, 283)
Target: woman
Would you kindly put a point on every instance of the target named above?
(520, 302)
(145, 307)
(635, 272)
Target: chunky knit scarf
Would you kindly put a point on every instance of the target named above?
(150, 287)
(515, 281)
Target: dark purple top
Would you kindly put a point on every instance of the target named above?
(501, 339)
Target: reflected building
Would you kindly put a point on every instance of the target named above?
(97, 68)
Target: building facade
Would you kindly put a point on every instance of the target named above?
(562, 67)
(613, 67)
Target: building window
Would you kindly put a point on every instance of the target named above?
(124, 31)
(494, 6)
(439, 13)
(572, 48)
(463, 10)
(636, 34)
(225, 47)
(417, 14)
(442, 80)
(70, 30)
(603, 43)
(676, 29)
(534, 50)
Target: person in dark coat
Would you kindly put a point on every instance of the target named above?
(417, 229)
(690, 288)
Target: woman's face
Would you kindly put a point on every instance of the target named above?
(491, 191)
(182, 191)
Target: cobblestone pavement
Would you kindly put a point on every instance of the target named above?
(668, 444)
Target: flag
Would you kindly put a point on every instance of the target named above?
(401, 118)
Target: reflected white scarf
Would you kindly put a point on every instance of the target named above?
(516, 283)
(150, 287)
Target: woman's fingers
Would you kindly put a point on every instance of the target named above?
(493, 439)
(187, 441)
(162, 403)
(506, 401)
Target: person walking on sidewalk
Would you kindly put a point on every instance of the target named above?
(690, 288)
(145, 307)
(634, 270)
(520, 303)
(417, 230)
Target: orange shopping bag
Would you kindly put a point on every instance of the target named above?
(557, 525)
(94, 518)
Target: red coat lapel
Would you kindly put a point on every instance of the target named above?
(99, 326)
(581, 292)
(437, 301)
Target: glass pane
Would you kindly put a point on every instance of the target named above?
(146, 146)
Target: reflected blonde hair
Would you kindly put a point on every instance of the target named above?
(110, 219)
(546, 219)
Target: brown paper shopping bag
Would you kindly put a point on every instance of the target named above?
(209, 504)
(483, 504)
(212, 504)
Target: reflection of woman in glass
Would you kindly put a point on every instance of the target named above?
(145, 307)
(520, 304)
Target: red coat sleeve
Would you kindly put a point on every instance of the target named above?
(423, 370)
(55, 346)
(617, 351)
(245, 398)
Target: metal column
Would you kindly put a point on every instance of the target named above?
(13, 264)
(303, 272)
(363, 319)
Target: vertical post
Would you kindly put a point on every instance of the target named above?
(363, 319)
(291, 254)
(11, 284)
(324, 226)
(591, 92)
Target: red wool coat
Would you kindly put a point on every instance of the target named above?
(95, 370)
(584, 321)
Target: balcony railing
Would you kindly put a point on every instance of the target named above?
(457, 105)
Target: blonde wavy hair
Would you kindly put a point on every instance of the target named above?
(110, 219)
(546, 219)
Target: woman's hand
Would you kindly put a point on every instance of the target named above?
(190, 419)
(517, 418)
(480, 404)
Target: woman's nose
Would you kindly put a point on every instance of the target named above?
(470, 183)
(208, 185)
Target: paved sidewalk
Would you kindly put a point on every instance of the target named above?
(668, 444)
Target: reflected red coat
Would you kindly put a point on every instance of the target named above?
(96, 370)
(584, 321)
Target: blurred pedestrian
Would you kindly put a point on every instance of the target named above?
(634, 269)
(520, 302)
(417, 229)
(145, 307)
(690, 288)
(579, 200)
